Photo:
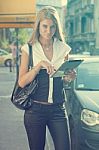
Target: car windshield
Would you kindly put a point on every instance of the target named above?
(88, 76)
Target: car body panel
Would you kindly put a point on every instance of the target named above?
(89, 99)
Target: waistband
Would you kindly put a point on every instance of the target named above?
(48, 105)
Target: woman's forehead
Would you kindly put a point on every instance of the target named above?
(47, 21)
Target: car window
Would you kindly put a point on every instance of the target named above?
(88, 76)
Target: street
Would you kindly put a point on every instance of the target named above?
(12, 132)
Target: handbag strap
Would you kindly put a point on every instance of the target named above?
(30, 57)
(29, 67)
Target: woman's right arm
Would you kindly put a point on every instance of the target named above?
(26, 76)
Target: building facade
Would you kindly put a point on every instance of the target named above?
(96, 14)
(82, 21)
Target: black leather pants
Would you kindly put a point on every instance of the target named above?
(54, 116)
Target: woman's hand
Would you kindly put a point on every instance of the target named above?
(70, 75)
(46, 65)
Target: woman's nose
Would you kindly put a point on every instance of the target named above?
(48, 30)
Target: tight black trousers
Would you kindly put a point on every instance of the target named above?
(54, 116)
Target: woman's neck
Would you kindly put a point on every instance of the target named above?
(45, 42)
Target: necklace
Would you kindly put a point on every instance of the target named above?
(47, 47)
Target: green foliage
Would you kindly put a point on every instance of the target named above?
(4, 44)
(23, 36)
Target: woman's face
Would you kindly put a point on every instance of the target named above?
(47, 29)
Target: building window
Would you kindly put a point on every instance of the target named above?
(83, 24)
(92, 25)
(76, 25)
(71, 28)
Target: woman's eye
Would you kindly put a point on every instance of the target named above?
(52, 27)
(45, 26)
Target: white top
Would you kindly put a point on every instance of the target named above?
(60, 50)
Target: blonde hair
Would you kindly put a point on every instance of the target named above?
(48, 12)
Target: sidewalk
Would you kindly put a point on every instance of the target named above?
(8, 70)
(12, 132)
(7, 81)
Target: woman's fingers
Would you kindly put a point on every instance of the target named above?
(49, 67)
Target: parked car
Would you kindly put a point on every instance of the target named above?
(5, 57)
(82, 102)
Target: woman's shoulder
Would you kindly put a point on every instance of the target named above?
(62, 45)
(35, 47)
(25, 48)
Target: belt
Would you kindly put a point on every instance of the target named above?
(35, 102)
(45, 103)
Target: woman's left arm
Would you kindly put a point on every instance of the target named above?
(71, 74)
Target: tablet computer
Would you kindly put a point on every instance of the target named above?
(65, 67)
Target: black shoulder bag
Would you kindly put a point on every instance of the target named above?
(21, 97)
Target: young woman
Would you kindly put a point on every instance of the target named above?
(49, 52)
